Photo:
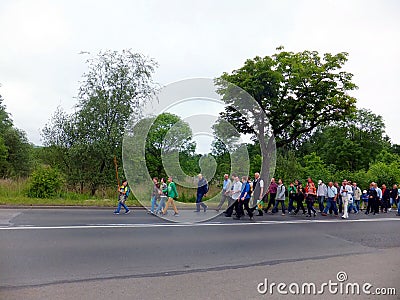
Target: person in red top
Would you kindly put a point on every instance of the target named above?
(311, 193)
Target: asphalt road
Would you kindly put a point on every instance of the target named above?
(45, 249)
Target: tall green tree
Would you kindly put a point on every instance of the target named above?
(351, 144)
(15, 149)
(155, 143)
(114, 89)
(297, 92)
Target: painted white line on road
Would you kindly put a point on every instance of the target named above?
(108, 226)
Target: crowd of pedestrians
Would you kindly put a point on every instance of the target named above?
(244, 196)
(332, 198)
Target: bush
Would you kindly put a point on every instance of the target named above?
(46, 182)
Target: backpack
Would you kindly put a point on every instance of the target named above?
(286, 190)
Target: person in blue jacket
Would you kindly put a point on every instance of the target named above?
(244, 200)
(202, 189)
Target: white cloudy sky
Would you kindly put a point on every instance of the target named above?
(40, 40)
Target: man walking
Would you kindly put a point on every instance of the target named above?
(321, 195)
(202, 189)
(235, 194)
(225, 193)
(346, 191)
(394, 194)
(372, 199)
(357, 195)
(331, 193)
(258, 192)
(243, 200)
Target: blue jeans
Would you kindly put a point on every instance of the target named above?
(321, 200)
(161, 205)
(393, 201)
(282, 202)
(352, 206)
(290, 205)
(121, 204)
(153, 203)
(331, 204)
(357, 204)
(199, 202)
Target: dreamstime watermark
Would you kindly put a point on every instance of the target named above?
(340, 286)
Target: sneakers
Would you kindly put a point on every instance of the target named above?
(205, 208)
(176, 214)
(324, 214)
(116, 213)
(127, 212)
(283, 214)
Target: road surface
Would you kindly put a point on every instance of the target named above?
(93, 254)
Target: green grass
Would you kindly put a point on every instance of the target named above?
(14, 193)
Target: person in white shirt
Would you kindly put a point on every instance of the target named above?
(357, 195)
(379, 199)
(322, 190)
(346, 191)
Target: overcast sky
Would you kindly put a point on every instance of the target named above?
(40, 67)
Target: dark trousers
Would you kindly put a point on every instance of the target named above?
(300, 205)
(290, 205)
(271, 202)
(385, 205)
(239, 208)
(231, 207)
(199, 202)
(310, 205)
(321, 200)
(373, 206)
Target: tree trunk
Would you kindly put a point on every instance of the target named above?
(267, 153)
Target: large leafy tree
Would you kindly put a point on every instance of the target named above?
(114, 89)
(297, 92)
(351, 144)
(15, 149)
(155, 142)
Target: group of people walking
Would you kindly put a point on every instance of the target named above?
(332, 198)
(245, 196)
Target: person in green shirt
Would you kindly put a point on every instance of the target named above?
(172, 196)
(292, 196)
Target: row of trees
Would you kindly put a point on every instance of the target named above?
(303, 107)
(16, 153)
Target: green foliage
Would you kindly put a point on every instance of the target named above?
(15, 150)
(351, 144)
(46, 182)
(84, 143)
(157, 140)
(298, 92)
(383, 173)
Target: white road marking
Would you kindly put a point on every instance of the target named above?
(108, 226)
